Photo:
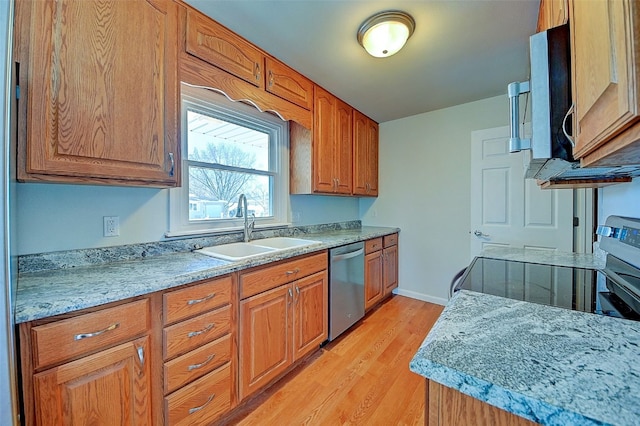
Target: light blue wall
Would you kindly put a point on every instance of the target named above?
(425, 181)
(621, 200)
(56, 217)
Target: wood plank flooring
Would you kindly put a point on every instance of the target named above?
(362, 378)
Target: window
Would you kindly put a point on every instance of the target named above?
(229, 148)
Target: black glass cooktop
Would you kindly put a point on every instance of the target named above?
(561, 286)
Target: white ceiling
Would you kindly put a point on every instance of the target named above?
(461, 50)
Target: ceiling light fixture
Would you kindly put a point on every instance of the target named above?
(384, 33)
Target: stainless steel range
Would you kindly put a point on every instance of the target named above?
(613, 291)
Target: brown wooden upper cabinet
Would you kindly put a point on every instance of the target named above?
(605, 44)
(552, 13)
(332, 144)
(286, 83)
(99, 82)
(215, 44)
(365, 155)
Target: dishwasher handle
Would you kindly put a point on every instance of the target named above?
(345, 256)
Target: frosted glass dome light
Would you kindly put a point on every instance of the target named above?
(385, 33)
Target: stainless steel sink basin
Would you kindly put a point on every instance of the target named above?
(240, 251)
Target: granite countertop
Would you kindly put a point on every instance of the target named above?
(550, 365)
(547, 257)
(77, 283)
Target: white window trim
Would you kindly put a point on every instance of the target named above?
(215, 103)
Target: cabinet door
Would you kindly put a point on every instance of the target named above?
(265, 342)
(324, 129)
(365, 155)
(288, 84)
(390, 256)
(604, 45)
(310, 318)
(372, 279)
(215, 44)
(343, 147)
(102, 92)
(552, 14)
(111, 387)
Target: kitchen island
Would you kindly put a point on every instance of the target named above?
(546, 364)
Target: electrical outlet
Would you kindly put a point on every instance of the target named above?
(111, 226)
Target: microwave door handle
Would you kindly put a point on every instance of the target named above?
(514, 90)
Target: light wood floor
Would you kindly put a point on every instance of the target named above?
(362, 377)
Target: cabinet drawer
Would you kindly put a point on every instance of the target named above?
(202, 401)
(259, 280)
(190, 334)
(196, 363)
(66, 339)
(218, 46)
(390, 240)
(194, 300)
(372, 245)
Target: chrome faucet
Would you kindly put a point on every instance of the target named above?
(242, 212)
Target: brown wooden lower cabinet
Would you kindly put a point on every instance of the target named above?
(280, 326)
(172, 357)
(446, 406)
(380, 269)
(111, 387)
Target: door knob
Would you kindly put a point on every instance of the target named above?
(479, 233)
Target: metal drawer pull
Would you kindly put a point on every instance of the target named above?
(96, 333)
(196, 409)
(204, 299)
(202, 364)
(295, 271)
(204, 330)
(257, 73)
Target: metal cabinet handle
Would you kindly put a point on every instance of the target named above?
(196, 409)
(141, 355)
(140, 351)
(295, 271)
(257, 72)
(204, 299)
(270, 78)
(96, 333)
(202, 364)
(204, 330)
(290, 296)
(173, 164)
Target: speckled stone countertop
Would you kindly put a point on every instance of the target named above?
(547, 257)
(79, 282)
(550, 365)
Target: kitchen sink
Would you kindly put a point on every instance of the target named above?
(282, 243)
(235, 251)
(240, 251)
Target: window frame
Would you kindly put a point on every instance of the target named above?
(216, 104)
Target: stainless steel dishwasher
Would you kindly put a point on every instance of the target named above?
(346, 287)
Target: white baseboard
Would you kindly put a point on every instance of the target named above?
(420, 296)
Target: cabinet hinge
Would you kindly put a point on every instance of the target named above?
(576, 222)
(17, 92)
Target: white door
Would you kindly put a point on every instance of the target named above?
(508, 210)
